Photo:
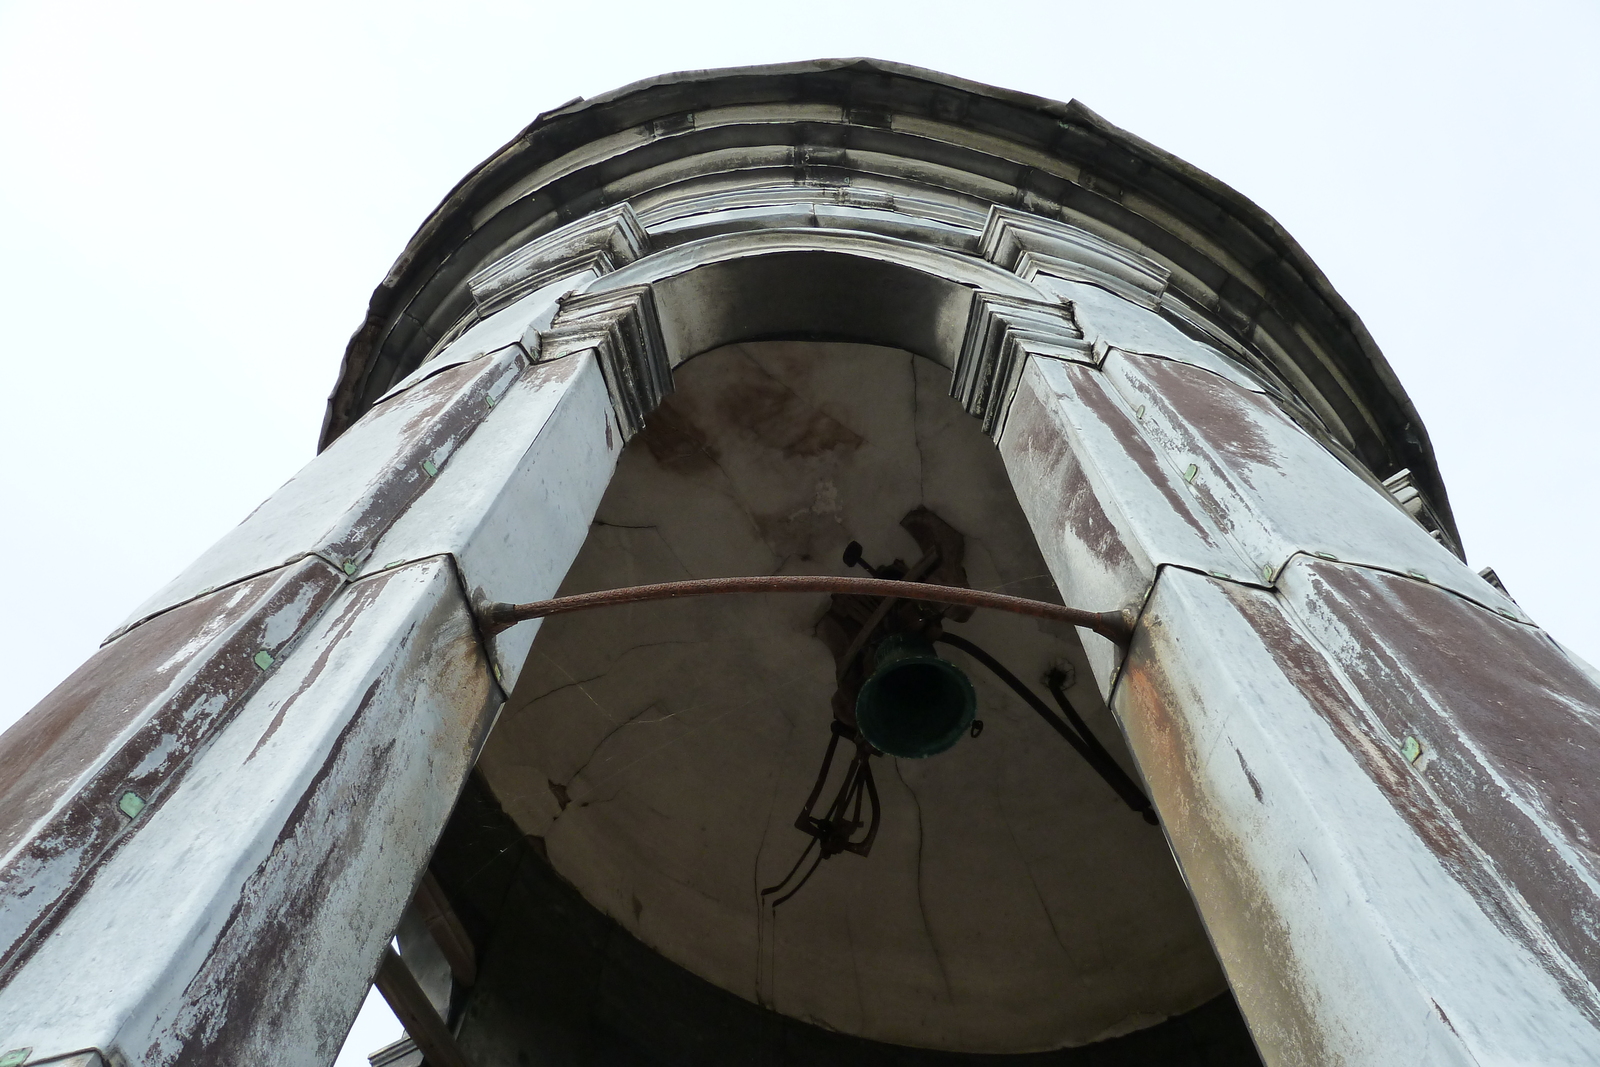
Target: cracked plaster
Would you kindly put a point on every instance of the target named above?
(1011, 903)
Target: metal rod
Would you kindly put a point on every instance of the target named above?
(1112, 625)
(1087, 746)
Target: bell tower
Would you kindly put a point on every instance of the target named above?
(826, 563)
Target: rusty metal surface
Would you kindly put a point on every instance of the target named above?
(1273, 489)
(131, 719)
(1106, 508)
(515, 506)
(1504, 781)
(241, 921)
(1315, 858)
(340, 503)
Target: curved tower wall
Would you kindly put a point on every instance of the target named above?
(1368, 762)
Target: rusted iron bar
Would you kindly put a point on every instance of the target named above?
(415, 1012)
(1112, 625)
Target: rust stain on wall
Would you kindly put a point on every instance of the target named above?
(1511, 728)
(1210, 413)
(1138, 449)
(1251, 936)
(438, 415)
(1078, 509)
(132, 718)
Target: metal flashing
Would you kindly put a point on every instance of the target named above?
(1002, 332)
(622, 327)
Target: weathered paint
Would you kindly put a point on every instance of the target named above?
(1346, 858)
(241, 921)
(341, 502)
(1272, 488)
(1508, 797)
(131, 720)
(1345, 935)
(1105, 507)
(516, 505)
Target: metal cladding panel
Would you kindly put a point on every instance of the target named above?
(1274, 489)
(241, 921)
(1346, 937)
(342, 501)
(1501, 731)
(516, 505)
(1106, 508)
(131, 720)
(1116, 323)
(518, 324)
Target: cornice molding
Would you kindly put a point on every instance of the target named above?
(1002, 332)
(1028, 244)
(623, 329)
(601, 242)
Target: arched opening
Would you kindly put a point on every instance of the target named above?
(655, 757)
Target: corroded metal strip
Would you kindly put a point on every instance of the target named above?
(1329, 880)
(241, 923)
(128, 723)
(1494, 733)
(1274, 489)
(1112, 625)
(515, 506)
(340, 503)
(1106, 508)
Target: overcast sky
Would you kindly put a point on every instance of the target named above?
(197, 199)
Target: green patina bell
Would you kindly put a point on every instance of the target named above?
(914, 704)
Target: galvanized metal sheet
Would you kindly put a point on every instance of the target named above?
(1346, 935)
(516, 505)
(1106, 507)
(342, 501)
(518, 324)
(114, 739)
(1501, 731)
(241, 921)
(1116, 323)
(1271, 487)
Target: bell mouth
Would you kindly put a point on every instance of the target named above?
(915, 704)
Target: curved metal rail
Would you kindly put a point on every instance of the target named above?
(1112, 625)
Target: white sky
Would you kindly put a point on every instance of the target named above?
(197, 199)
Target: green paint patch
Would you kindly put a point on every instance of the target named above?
(263, 659)
(428, 468)
(1411, 750)
(130, 804)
